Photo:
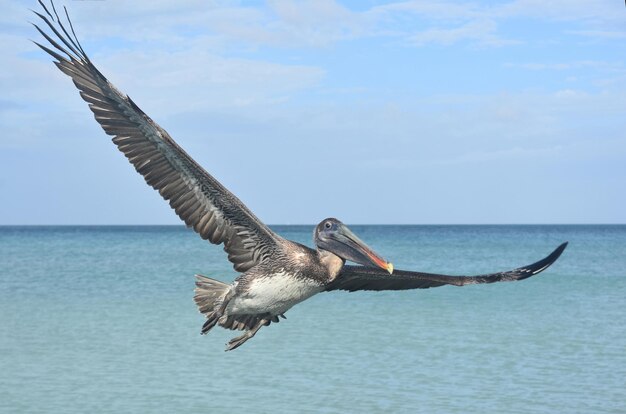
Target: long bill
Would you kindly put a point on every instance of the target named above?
(350, 247)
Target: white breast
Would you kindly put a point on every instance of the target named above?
(274, 294)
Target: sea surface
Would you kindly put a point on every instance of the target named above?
(101, 320)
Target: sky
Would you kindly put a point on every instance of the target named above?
(374, 112)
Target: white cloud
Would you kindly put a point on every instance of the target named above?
(185, 77)
(513, 154)
(470, 21)
(481, 32)
(324, 22)
(278, 23)
(569, 94)
(169, 83)
(602, 34)
(433, 9)
(588, 11)
(579, 64)
(317, 22)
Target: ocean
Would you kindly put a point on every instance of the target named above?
(100, 319)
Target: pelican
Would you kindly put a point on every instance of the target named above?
(275, 273)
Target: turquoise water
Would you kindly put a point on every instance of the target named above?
(101, 320)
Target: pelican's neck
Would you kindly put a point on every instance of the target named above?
(331, 262)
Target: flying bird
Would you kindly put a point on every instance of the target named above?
(276, 273)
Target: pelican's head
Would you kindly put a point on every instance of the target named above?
(335, 237)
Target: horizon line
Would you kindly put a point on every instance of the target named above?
(315, 224)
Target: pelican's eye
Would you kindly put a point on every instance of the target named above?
(328, 225)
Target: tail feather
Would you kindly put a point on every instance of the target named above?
(209, 293)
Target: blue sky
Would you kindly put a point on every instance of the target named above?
(373, 112)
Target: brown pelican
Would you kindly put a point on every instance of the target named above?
(276, 273)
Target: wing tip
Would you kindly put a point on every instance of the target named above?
(559, 250)
(542, 265)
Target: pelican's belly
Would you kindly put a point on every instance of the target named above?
(273, 294)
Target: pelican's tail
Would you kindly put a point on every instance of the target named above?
(209, 295)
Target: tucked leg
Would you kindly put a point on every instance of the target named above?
(238, 341)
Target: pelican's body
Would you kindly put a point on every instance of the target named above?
(276, 287)
(269, 289)
(276, 273)
(272, 293)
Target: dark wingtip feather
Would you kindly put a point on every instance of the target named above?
(51, 52)
(44, 7)
(542, 265)
(80, 47)
(559, 250)
(49, 39)
(62, 38)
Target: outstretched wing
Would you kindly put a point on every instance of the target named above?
(353, 278)
(198, 198)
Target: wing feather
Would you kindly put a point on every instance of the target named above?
(196, 197)
(353, 278)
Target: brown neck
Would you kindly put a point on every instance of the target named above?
(331, 262)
